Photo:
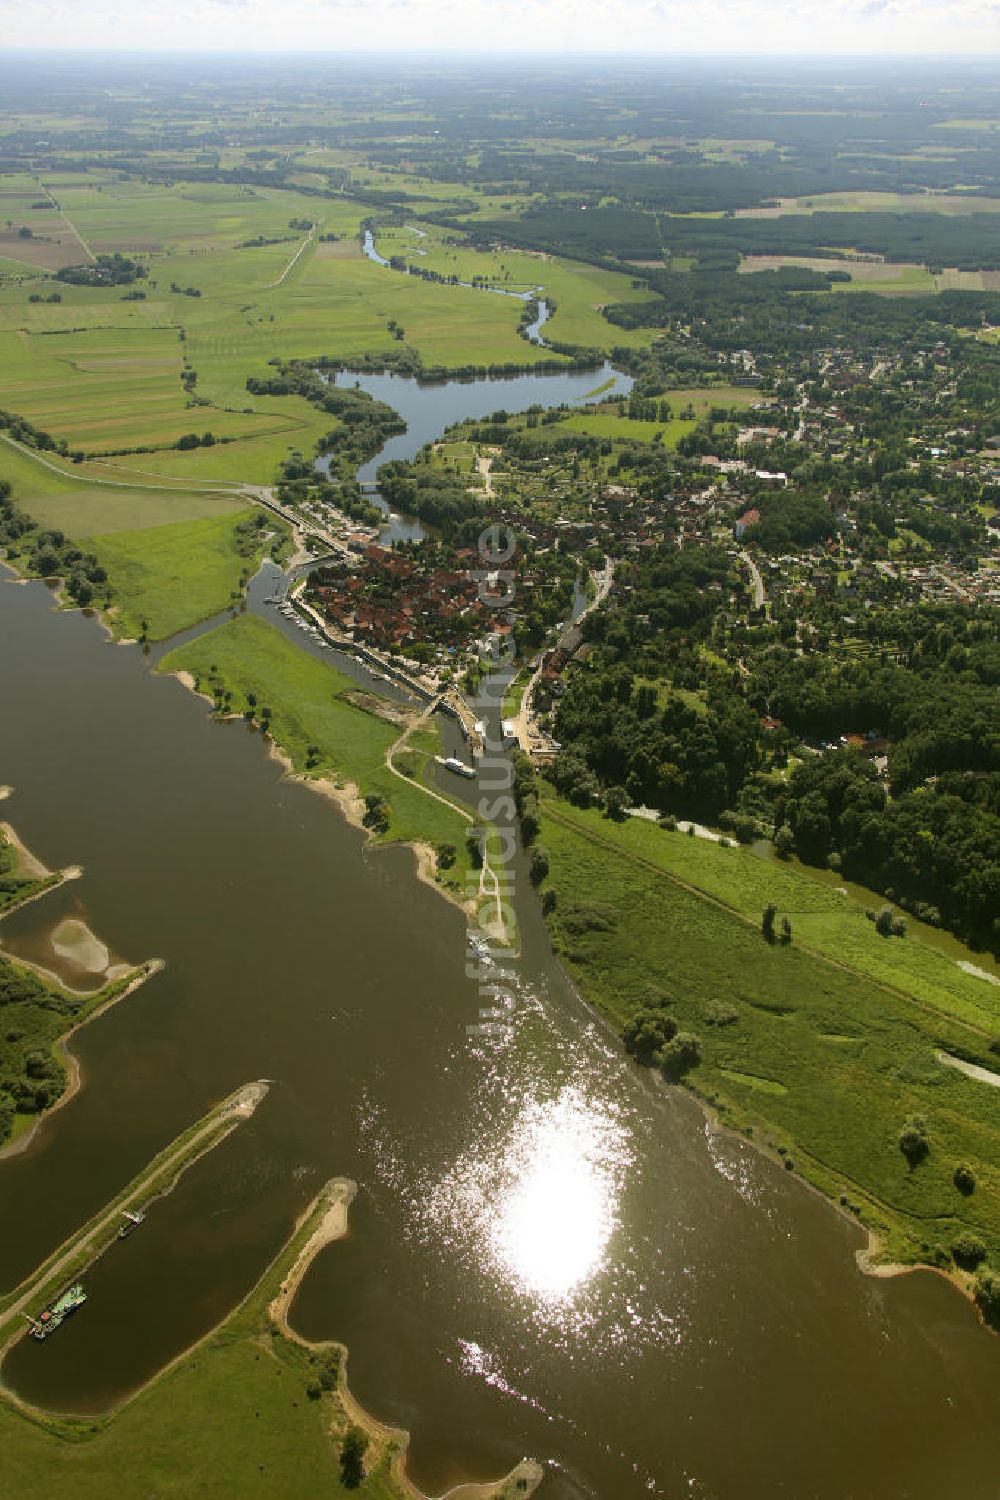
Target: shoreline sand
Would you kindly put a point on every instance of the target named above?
(335, 1200)
(346, 796)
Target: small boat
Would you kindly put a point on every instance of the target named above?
(132, 1221)
(452, 763)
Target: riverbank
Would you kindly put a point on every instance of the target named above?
(327, 1221)
(193, 1412)
(819, 1059)
(80, 1251)
(22, 866)
(94, 1005)
(322, 737)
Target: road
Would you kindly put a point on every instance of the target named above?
(528, 734)
(307, 241)
(759, 596)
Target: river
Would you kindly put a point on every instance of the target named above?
(549, 1254)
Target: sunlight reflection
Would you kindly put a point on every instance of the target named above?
(556, 1203)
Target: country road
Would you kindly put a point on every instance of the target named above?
(759, 596)
(307, 241)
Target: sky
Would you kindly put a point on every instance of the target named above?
(893, 27)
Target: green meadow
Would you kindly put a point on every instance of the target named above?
(608, 424)
(241, 1414)
(109, 373)
(174, 576)
(311, 705)
(579, 291)
(822, 1048)
(173, 557)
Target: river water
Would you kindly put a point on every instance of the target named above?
(548, 1254)
(428, 409)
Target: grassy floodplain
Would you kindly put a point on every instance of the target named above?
(187, 1431)
(311, 706)
(172, 557)
(579, 291)
(824, 1048)
(174, 576)
(106, 373)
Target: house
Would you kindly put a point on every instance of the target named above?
(747, 519)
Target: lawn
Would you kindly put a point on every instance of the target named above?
(310, 706)
(821, 1059)
(174, 576)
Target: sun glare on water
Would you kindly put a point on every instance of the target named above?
(555, 1207)
(540, 1196)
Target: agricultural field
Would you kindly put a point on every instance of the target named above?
(823, 1047)
(109, 375)
(110, 214)
(888, 277)
(866, 202)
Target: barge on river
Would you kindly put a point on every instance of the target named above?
(50, 1318)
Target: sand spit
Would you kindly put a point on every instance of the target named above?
(332, 1205)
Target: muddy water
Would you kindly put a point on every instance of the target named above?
(547, 1255)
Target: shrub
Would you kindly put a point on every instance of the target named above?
(647, 1032)
(352, 1457)
(680, 1055)
(965, 1179)
(968, 1250)
(913, 1140)
(784, 841)
(988, 1296)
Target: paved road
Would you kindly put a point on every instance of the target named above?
(759, 596)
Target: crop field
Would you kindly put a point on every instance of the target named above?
(826, 1060)
(110, 214)
(864, 202)
(310, 706)
(32, 230)
(73, 385)
(886, 277)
